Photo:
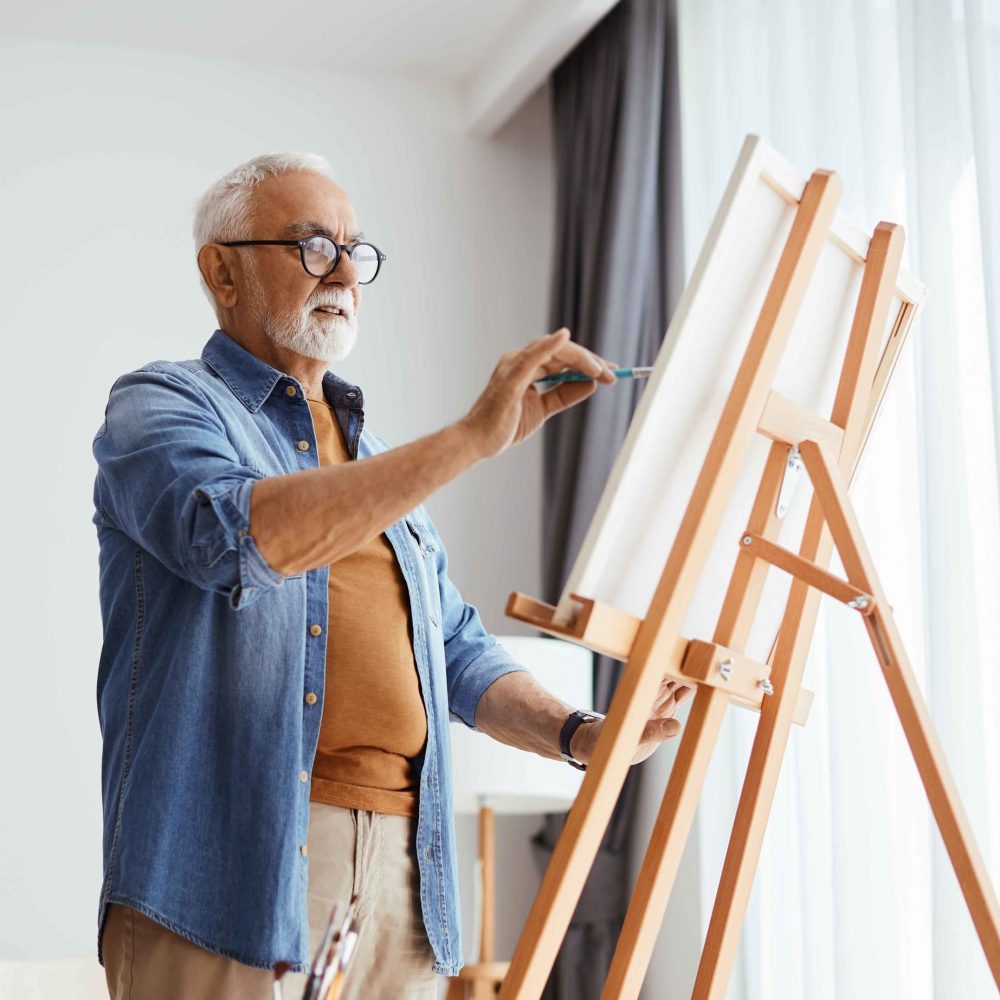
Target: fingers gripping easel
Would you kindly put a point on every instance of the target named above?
(652, 647)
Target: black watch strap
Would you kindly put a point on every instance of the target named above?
(570, 726)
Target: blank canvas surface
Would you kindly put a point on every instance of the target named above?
(640, 511)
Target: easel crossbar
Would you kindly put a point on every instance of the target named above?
(606, 630)
(808, 572)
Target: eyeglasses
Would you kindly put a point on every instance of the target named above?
(321, 255)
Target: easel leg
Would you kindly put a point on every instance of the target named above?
(908, 701)
(483, 989)
(585, 825)
(666, 845)
(760, 782)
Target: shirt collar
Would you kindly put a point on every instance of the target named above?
(252, 381)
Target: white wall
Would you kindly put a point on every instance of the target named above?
(105, 151)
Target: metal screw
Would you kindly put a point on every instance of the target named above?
(726, 669)
(747, 539)
(766, 686)
(859, 603)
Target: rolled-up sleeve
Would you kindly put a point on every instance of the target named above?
(169, 478)
(474, 658)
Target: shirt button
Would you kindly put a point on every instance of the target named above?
(303, 850)
(290, 390)
(303, 446)
(315, 629)
(303, 776)
(311, 698)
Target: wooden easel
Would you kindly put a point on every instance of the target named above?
(718, 669)
(480, 980)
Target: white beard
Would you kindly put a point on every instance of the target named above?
(325, 338)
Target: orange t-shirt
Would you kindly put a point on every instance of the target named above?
(374, 719)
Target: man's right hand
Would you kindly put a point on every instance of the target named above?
(510, 408)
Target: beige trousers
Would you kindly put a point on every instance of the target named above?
(351, 851)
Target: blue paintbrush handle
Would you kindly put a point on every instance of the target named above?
(572, 376)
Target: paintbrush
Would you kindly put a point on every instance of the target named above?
(280, 968)
(316, 973)
(333, 981)
(575, 376)
(341, 940)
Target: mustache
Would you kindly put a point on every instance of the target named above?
(341, 301)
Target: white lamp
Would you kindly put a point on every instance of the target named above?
(490, 777)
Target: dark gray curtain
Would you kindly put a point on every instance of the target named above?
(614, 281)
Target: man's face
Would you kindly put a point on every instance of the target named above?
(315, 317)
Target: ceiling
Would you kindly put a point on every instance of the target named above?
(497, 51)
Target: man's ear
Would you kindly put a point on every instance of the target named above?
(214, 264)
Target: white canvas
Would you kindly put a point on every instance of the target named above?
(640, 511)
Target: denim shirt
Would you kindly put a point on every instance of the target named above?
(208, 659)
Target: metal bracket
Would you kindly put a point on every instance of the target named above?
(794, 468)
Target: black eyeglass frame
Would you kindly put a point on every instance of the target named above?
(301, 244)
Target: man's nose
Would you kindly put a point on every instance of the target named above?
(344, 274)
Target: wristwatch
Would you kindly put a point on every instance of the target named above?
(570, 726)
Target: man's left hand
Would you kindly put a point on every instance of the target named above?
(660, 726)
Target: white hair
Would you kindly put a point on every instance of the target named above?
(225, 211)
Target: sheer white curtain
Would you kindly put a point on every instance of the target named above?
(855, 897)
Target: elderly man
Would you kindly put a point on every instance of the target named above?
(283, 647)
